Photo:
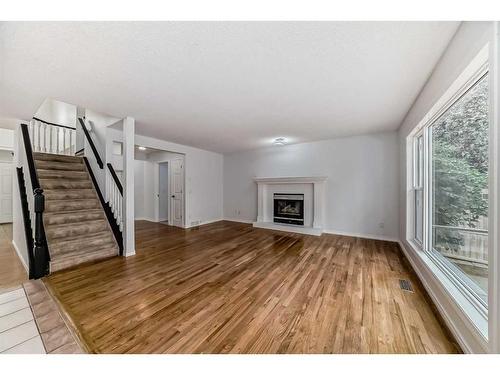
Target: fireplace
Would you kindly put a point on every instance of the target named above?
(289, 208)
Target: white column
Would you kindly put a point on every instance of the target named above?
(319, 202)
(128, 186)
(260, 202)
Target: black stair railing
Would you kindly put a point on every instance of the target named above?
(38, 249)
(91, 143)
(115, 227)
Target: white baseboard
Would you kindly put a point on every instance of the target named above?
(20, 257)
(145, 218)
(362, 235)
(236, 220)
(203, 223)
(454, 314)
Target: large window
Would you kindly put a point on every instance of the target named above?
(450, 189)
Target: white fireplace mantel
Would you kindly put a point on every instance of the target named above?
(318, 202)
(290, 180)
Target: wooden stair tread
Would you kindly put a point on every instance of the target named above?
(76, 259)
(57, 158)
(71, 205)
(60, 232)
(55, 218)
(64, 184)
(58, 166)
(74, 194)
(58, 174)
(85, 241)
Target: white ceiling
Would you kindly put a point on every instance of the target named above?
(225, 86)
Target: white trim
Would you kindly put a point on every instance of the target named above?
(288, 228)
(146, 219)
(20, 257)
(455, 314)
(204, 223)
(494, 196)
(461, 299)
(379, 237)
(244, 221)
(290, 180)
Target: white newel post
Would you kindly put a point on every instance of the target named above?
(128, 193)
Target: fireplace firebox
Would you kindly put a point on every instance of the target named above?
(289, 208)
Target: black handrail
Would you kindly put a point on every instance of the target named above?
(41, 254)
(115, 178)
(91, 143)
(35, 184)
(107, 208)
(53, 124)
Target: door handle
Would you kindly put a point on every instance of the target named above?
(173, 196)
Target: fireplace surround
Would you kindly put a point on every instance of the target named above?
(311, 188)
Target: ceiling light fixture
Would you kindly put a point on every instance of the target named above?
(142, 148)
(279, 141)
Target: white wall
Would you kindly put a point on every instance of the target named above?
(203, 174)
(57, 112)
(204, 171)
(18, 234)
(467, 42)
(361, 190)
(139, 189)
(6, 139)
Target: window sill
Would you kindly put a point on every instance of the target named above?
(466, 321)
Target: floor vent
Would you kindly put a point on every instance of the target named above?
(405, 285)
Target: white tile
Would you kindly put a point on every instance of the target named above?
(17, 335)
(13, 306)
(31, 346)
(12, 295)
(16, 318)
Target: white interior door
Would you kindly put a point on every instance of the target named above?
(5, 192)
(176, 173)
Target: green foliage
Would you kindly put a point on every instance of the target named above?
(460, 164)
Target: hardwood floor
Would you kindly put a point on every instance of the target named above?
(12, 272)
(230, 288)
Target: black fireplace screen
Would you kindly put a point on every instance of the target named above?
(289, 208)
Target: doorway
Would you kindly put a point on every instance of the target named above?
(176, 174)
(163, 193)
(171, 191)
(6, 185)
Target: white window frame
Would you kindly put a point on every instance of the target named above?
(469, 77)
(417, 185)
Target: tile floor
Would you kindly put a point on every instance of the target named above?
(18, 330)
(30, 322)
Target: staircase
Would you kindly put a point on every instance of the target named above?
(75, 223)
